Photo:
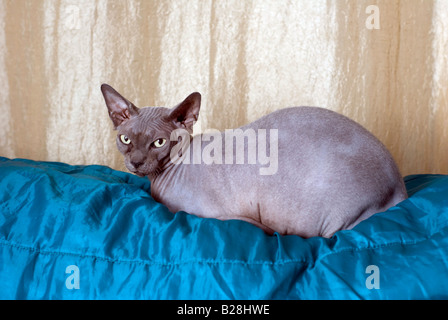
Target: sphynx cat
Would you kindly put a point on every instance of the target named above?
(306, 171)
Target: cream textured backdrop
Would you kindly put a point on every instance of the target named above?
(246, 57)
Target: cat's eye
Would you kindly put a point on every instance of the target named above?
(159, 143)
(125, 139)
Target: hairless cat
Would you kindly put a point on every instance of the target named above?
(306, 171)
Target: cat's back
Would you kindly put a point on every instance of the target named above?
(294, 118)
(306, 128)
(315, 135)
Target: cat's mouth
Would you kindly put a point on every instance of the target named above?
(140, 174)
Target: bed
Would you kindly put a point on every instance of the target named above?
(91, 232)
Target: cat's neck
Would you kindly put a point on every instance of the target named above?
(167, 167)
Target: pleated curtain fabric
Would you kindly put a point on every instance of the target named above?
(383, 63)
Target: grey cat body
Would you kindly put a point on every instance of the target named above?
(330, 173)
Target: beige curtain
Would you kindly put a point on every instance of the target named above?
(383, 63)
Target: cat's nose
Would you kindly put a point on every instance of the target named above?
(136, 164)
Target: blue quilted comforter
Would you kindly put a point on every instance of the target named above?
(90, 232)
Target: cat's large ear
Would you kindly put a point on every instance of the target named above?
(119, 108)
(186, 113)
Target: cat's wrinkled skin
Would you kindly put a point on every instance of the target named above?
(332, 173)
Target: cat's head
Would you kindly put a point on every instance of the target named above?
(144, 133)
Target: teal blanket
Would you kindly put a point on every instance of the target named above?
(90, 232)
